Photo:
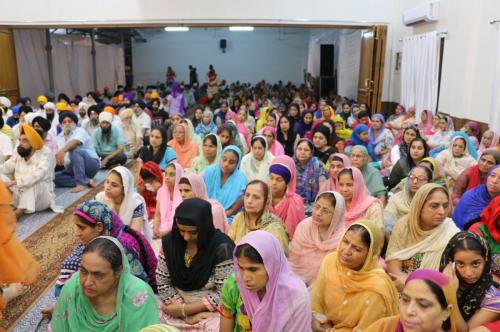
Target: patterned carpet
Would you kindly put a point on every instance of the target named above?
(50, 244)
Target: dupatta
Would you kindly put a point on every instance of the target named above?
(361, 199)
(257, 169)
(169, 204)
(186, 151)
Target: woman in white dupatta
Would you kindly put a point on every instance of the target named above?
(419, 239)
(255, 165)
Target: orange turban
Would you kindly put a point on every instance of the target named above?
(34, 138)
(109, 109)
(155, 95)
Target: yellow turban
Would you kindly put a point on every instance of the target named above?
(42, 99)
(63, 107)
(34, 138)
(155, 95)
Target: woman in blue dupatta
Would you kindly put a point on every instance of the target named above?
(225, 182)
(360, 136)
(207, 124)
(79, 307)
(474, 201)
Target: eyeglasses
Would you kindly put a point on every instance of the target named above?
(322, 210)
(414, 178)
(357, 156)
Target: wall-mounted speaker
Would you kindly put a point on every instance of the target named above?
(223, 45)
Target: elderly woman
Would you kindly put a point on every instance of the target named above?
(373, 180)
(317, 236)
(256, 215)
(351, 290)
(195, 262)
(104, 295)
(419, 239)
(185, 149)
(475, 200)
(321, 141)
(475, 174)
(399, 203)
(381, 138)
(255, 165)
(488, 141)
(207, 124)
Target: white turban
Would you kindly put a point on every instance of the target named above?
(5, 102)
(105, 116)
(50, 106)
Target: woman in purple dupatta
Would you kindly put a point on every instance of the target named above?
(176, 100)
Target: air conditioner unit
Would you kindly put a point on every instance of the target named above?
(425, 12)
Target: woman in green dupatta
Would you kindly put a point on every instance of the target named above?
(373, 180)
(104, 295)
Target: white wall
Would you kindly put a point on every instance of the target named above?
(262, 54)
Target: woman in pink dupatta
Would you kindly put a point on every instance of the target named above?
(285, 306)
(488, 141)
(426, 124)
(271, 135)
(242, 129)
(315, 238)
(359, 203)
(286, 203)
(336, 162)
(195, 187)
(168, 199)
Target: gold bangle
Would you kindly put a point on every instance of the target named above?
(184, 310)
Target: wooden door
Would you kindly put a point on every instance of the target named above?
(371, 68)
(9, 86)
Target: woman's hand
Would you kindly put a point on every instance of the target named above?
(316, 326)
(174, 309)
(399, 281)
(451, 273)
(196, 318)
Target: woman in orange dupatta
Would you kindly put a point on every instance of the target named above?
(185, 149)
(351, 291)
(16, 263)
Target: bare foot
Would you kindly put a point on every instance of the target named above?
(14, 290)
(18, 213)
(91, 183)
(78, 188)
(47, 312)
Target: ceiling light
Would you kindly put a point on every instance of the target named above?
(241, 28)
(175, 29)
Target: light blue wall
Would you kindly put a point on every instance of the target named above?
(265, 53)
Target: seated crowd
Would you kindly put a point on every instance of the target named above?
(258, 208)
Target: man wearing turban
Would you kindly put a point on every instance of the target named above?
(109, 142)
(28, 173)
(76, 155)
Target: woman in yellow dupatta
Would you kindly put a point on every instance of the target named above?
(340, 128)
(351, 291)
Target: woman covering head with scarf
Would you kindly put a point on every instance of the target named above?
(423, 286)
(437, 177)
(255, 165)
(360, 136)
(176, 100)
(275, 147)
(303, 126)
(395, 121)
(351, 291)
(310, 172)
(149, 181)
(207, 124)
(488, 141)
(467, 260)
(321, 139)
(336, 163)
(419, 239)
(194, 263)
(471, 128)
(317, 236)
(92, 219)
(185, 149)
(456, 158)
(225, 182)
(260, 257)
(426, 124)
(340, 129)
(255, 215)
(475, 174)
(444, 133)
(475, 200)
(371, 176)
(120, 196)
(191, 186)
(381, 138)
(210, 154)
(286, 204)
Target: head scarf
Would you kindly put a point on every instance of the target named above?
(176, 89)
(469, 147)
(427, 127)
(369, 283)
(469, 296)
(488, 218)
(5, 101)
(493, 144)
(66, 114)
(257, 169)
(242, 129)
(214, 246)
(446, 286)
(472, 204)
(343, 133)
(283, 286)
(408, 238)
(354, 138)
(474, 127)
(234, 185)
(301, 127)
(105, 117)
(381, 130)
(436, 174)
(361, 199)
(276, 149)
(404, 149)
(291, 209)
(235, 135)
(36, 141)
(186, 151)
(475, 176)
(169, 204)
(331, 183)
(135, 304)
(201, 161)
(203, 129)
(126, 113)
(308, 249)
(308, 175)
(225, 127)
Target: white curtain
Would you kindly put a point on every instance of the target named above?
(495, 101)
(72, 62)
(419, 72)
(348, 63)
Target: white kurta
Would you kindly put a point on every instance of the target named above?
(34, 188)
